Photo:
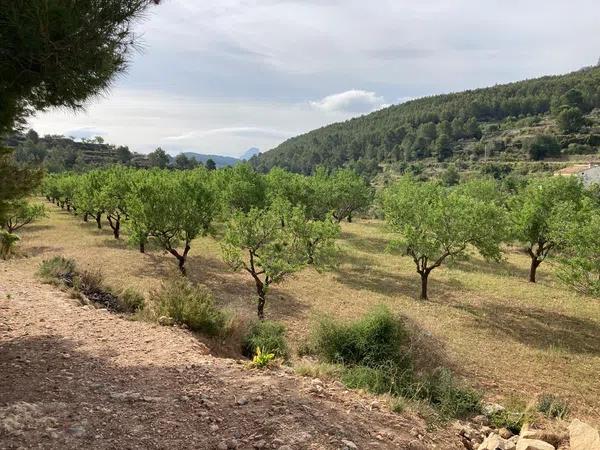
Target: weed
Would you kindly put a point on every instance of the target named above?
(261, 359)
(190, 305)
(269, 336)
(552, 406)
(57, 270)
(513, 417)
(8, 242)
(131, 300)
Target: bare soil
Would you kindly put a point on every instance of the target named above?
(73, 376)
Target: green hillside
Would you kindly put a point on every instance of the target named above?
(552, 118)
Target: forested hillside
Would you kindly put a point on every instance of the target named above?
(548, 117)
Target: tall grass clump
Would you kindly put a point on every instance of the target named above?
(190, 305)
(267, 335)
(58, 270)
(377, 354)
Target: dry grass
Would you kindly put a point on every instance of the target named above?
(503, 334)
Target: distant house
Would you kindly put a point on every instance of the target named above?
(589, 173)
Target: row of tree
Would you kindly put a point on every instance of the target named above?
(274, 224)
(278, 223)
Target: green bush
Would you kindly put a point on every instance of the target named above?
(377, 339)
(131, 300)
(57, 269)
(267, 335)
(552, 406)
(190, 305)
(8, 242)
(375, 354)
(512, 418)
(449, 398)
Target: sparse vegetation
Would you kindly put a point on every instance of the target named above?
(269, 336)
(552, 406)
(189, 305)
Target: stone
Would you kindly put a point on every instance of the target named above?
(416, 445)
(481, 420)
(533, 444)
(489, 409)
(495, 442)
(349, 444)
(505, 433)
(583, 436)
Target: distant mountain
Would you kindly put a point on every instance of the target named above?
(250, 153)
(220, 161)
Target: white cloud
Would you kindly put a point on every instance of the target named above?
(235, 131)
(352, 101)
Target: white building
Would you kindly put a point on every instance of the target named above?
(589, 173)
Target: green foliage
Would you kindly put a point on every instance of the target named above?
(269, 336)
(576, 230)
(512, 418)
(440, 125)
(21, 213)
(57, 269)
(376, 339)
(261, 359)
(190, 305)
(542, 146)
(445, 225)
(570, 120)
(552, 406)
(374, 353)
(72, 50)
(240, 188)
(17, 182)
(8, 242)
(131, 301)
(158, 158)
(534, 209)
(270, 244)
(449, 397)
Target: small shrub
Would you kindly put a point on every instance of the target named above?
(190, 305)
(552, 406)
(398, 404)
(261, 359)
(324, 371)
(449, 398)
(513, 417)
(269, 336)
(375, 340)
(88, 281)
(131, 300)
(8, 242)
(57, 270)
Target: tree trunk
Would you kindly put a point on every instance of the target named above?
(142, 247)
(115, 224)
(99, 220)
(532, 271)
(85, 217)
(260, 290)
(180, 258)
(424, 278)
(68, 207)
(350, 218)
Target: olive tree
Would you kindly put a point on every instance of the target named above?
(434, 223)
(531, 212)
(258, 243)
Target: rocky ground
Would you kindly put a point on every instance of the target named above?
(73, 376)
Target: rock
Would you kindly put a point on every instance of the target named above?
(214, 428)
(416, 445)
(285, 447)
(489, 409)
(528, 433)
(222, 446)
(505, 433)
(583, 436)
(349, 444)
(242, 401)
(165, 321)
(481, 420)
(534, 444)
(495, 442)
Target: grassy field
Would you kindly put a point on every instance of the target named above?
(507, 337)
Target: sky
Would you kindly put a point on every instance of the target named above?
(221, 76)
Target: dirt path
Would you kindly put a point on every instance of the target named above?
(76, 377)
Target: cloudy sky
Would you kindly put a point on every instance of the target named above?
(220, 76)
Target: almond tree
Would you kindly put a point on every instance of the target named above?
(21, 213)
(435, 224)
(268, 248)
(174, 208)
(532, 210)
